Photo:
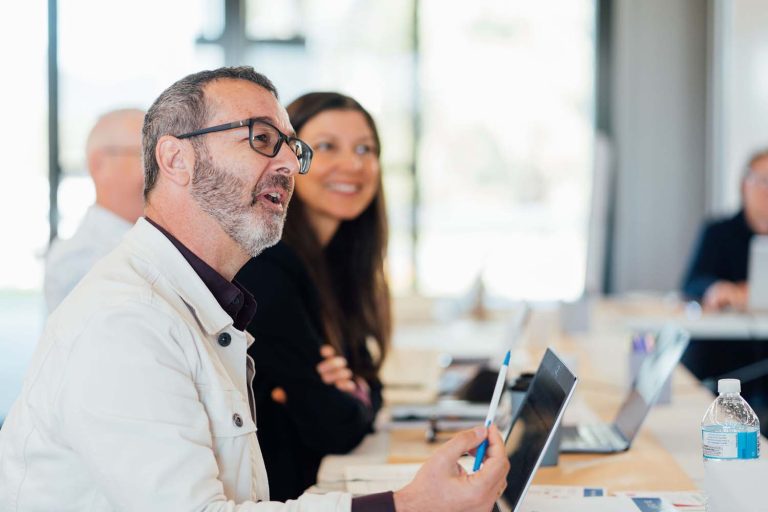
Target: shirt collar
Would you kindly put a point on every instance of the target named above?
(105, 223)
(233, 298)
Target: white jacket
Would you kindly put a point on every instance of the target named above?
(132, 404)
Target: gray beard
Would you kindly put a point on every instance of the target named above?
(219, 194)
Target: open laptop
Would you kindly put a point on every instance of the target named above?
(617, 436)
(758, 274)
(534, 427)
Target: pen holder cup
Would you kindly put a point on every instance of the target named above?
(636, 358)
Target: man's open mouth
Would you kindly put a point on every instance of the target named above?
(273, 197)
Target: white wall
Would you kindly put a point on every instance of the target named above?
(659, 140)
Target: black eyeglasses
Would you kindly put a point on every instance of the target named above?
(757, 179)
(265, 139)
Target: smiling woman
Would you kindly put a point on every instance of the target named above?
(323, 321)
(345, 176)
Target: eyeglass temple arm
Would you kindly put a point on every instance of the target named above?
(217, 128)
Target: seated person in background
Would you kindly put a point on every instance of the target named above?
(717, 275)
(323, 299)
(113, 156)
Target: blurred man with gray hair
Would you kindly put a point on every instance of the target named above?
(113, 156)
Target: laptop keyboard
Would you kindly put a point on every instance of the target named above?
(599, 434)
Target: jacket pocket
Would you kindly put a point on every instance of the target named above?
(228, 412)
(234, 442)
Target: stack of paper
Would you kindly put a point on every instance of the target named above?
(596, 504)
(565, 491)
(373, 478)
(690, 501)
(561, 498)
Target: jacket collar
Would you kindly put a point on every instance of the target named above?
(163, 260)
(235, 300)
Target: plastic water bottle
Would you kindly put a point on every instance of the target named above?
(730, 429)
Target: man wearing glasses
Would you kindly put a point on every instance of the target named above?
(138, 397)
(717, 277)
(717, 274)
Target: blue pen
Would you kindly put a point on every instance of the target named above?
(500, 384)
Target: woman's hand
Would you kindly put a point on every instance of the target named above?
(333, 370)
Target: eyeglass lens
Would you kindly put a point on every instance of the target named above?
(758, 179)
(266, 139)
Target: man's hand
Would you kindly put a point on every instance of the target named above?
(442, 484)
(725, 294)
(334, 371)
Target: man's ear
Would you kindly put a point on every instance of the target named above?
(95, 163)
(175, 159)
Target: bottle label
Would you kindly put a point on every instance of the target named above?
(730, 445)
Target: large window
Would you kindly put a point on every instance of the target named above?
(503, 92)
(24, 193)
(23, 139)
(505, 161)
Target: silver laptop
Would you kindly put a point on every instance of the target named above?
(758, 274)
(534, 427)
(617, 436)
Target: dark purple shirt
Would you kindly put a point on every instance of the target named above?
(381, 502)
(235, 300)
(239, 304)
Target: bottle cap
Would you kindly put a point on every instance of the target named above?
(729, 386)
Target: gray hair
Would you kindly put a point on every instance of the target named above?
(754, 157)
(181, 108)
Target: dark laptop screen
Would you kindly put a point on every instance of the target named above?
(539, 414)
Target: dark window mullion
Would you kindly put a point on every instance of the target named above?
(54, 168)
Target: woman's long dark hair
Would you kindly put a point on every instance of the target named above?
(349, 271)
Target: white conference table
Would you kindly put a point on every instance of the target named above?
(727, 325)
